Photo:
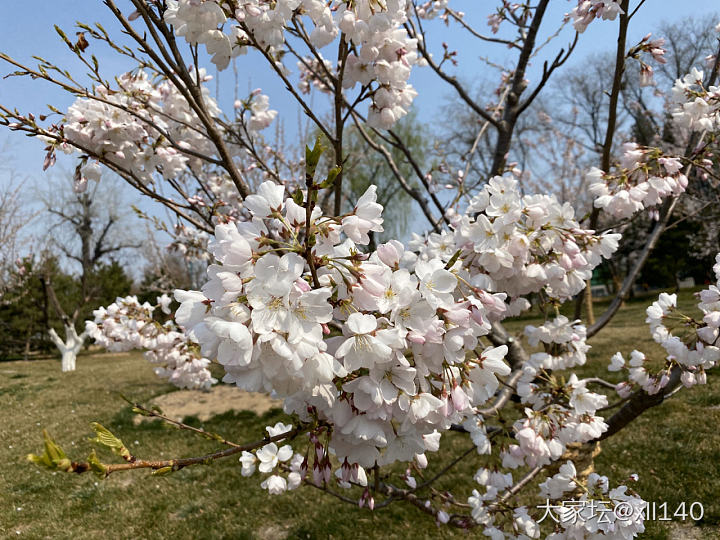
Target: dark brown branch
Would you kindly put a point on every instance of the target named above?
(639, 402)
(339, 123)
(506, 125)
(452, 81)
(455, 15)
(50, 291)
(396, 171)
(559, 60)
(586, 295)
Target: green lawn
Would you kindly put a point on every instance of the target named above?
(675, 448)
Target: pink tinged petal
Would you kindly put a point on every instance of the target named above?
(230, 354)
(359, 323)
(388, 391)
(273, 193)
(459, 399)
(443, 281)
(346, 346)
(257, 205)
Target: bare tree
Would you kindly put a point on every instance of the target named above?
(88, 232)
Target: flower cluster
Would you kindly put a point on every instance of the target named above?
(385, 52)
(312, 73)
(585, 507)
(643, 178)
(386, 55)
(653, 47)
(198, 21)
(693, 352)
(385, 346)
(126, 324)
(564, 340)
(261, 115)
(142, 127)
(597, 512)
(518, 244)
(429, 9)
(395, 374)
(695, 107)
(561, 413)
(589, 10)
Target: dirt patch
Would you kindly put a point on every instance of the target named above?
(220, 399)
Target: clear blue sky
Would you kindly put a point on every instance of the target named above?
(28, 30)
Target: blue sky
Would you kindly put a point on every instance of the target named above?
(29, 31)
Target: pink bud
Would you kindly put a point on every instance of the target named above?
(388, 254)
(682, 181)
(477, 316)
(624, 389)
(459, 398)
(317, 474)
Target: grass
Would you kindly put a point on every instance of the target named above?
(675, 448)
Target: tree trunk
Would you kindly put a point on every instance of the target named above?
(68, 360)
(26, 353)
(68, 348)
(590, 312)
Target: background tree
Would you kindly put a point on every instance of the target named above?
(361, 169)
(89, 231)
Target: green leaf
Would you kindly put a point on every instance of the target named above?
(63, 36)
(162, 471)
(453, 260)
(141, 412)
(106, 438)
(312, 157)
(95, 466)
(331, 177)
(297, 197)
(52, 457)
